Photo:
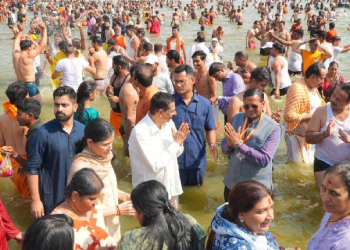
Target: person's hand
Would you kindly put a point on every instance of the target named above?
(37, 209)
(182, 133)
(213, 100)
(231, 135)
(127, 197)
(214, 151)
(126, 208)
(344, 136)
(329, 129)
(79, 25)
(110, 90)
(91, 51)
(276, 115)
(230, 66)
(91, 60)
(20, 27)
(8, 150)
(41, 26)
(277, 94)
(19, 238)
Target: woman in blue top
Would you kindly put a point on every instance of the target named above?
(244, 222)
(86, 94)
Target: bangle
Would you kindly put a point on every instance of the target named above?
(212, 145)
(118, 210)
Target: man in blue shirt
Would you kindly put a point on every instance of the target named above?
(195, 110)
(51, 152)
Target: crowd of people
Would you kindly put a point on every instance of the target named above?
(164, 104)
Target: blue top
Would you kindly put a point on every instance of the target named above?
(50, 155)
(232, 236)
(199, 116)
(89, 114)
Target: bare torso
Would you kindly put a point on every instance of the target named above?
(24, 66)
(100, 58)
(202, 84)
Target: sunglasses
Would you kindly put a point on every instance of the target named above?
(253, 106)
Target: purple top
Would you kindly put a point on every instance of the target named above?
(262, 156)
(232, 85)
(333, 237)
(91, 23)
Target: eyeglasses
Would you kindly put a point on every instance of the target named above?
(253, 106)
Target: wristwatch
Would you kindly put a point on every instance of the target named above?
(238, 145)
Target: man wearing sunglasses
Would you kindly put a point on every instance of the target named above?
(251, 139)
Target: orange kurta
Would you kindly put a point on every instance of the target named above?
(145, 102)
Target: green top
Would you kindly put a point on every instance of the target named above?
(134, 239)
(89, 114)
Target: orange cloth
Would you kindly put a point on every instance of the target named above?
(121, 41)
(330, 35)
(20, 181)
(145, 102)
(10, 110)
(178, 46)
(310, 58)
(116, 120)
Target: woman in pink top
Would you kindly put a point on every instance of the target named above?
(155, 28)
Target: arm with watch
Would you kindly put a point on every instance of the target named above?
(211, 139)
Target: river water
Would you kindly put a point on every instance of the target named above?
(298, 208)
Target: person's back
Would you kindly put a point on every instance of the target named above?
(72, 69)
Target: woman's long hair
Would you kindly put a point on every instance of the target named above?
(165, 225)
(83, 94)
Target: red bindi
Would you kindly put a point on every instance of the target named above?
(329, 181)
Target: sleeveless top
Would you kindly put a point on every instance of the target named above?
(332, 149)
(285, 79)
(129, 50)
(295, 60)
(116, 92)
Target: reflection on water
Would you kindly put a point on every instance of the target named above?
(297, 203)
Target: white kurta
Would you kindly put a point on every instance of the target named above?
(153, 155)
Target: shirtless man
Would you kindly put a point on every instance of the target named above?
(309, 14)
(218, 33)
(282, 33)
(147, 49)
(23, 58)
(133, 43)
(172, 61)
(251, 39)
(176, 20)
(260, 79)
(128, 99)
(205, 85)
(263, 36)
(11, 134)
(100, 59)
(245, 67)
(202, 21)
(239, 17)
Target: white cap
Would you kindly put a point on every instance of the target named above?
(267, 45)
(152, 59)
(215, 40)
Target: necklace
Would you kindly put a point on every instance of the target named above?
(329, 220)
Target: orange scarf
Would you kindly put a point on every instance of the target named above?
(10, 109)
(178, 44)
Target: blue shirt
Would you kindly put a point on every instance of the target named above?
(50, 155)
(199, 116)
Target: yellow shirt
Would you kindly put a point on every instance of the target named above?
(310, 58)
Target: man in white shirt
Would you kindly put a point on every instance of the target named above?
(154, 146)
(72, 68)
(161, 81)
(200, 45)
(336, 40)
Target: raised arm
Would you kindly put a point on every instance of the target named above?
(42, 42)
(18, 34)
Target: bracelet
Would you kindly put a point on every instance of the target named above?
(212, 145)
(118, 210)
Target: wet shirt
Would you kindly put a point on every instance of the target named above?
(50, 155)
(199, 116)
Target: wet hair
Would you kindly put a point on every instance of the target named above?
(120, 61)
(175, 27)
(278, 47)
(164, 225)
(46, 233)
(215, 67)
(97, 130)
(173, 55)
(111, 41)
(85, 89)
(322, 34)
(314, 69)
(201, 55)
(342, 170)
(300, 32)
(84, 182)
(25, 44)
(331, 25)
(243, 198)
(130, 27)
(184, 68)
(158, 47)
(147, 47)
(143, 74)
(200, 38)
(140, 31)
(62, 45)
(159, 101)
(65, 90)
(254, 92)
(346, 88)
(69, 50)
(333, 63)
(29, 106)
(241, 55)
(335, 38)
(260, 74)
(97, 40)
(16, 91)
